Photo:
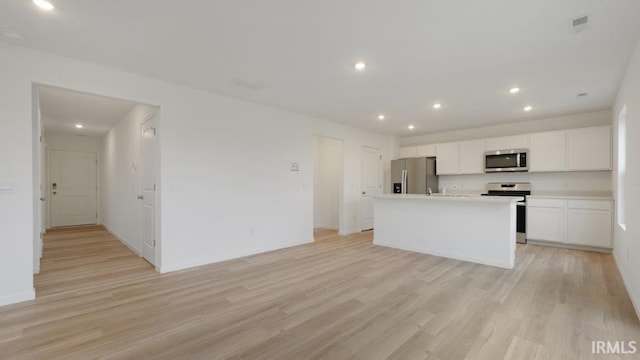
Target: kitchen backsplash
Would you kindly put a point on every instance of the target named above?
(596, 181)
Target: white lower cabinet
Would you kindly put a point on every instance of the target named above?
(589, 223)
(572, 222)
(546, 220)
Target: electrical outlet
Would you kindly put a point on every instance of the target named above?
(295, 166)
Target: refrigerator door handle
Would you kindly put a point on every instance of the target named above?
(404, 181)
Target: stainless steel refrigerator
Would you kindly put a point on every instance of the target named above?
(414, 176)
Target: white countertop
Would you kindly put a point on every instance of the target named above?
(572, 195)
(452, 197)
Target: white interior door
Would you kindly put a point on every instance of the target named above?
(73, 188)
(148, 189)
(371, 183)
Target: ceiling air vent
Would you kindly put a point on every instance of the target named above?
(579, 24)
(247, 84)
(12, 35)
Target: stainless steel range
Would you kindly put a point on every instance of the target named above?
(514, 189)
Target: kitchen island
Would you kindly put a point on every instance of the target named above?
(465, 227)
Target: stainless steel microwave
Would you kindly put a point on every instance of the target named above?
(506, 160)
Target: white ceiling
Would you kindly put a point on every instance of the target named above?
(464, 54)
(61, 110)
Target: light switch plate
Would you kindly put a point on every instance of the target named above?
(6, 187)
(295, 166)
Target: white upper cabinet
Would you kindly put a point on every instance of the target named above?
(547, 151)
(408, 152)
(507, 142)
(584, 149)
(426, 151)
(472, 156)
(518, 142)
(589, 148)
(495, 144)
(448, 159)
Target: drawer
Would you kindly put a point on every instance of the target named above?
(550, 203)
(590, 204)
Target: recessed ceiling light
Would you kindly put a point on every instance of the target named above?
(79, 126)
(381, 117)
(43, 4)
(411, 127)
(514, 90)
(437, 106)
(360, 66)
(527, 108)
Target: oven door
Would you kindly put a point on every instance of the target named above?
(521, 223)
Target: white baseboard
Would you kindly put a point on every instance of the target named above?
(625, 281)
(446, 254)
(328, 227)
(348, 232)
(16, 298)
(215, 259)
(122, 239)
(569, 246)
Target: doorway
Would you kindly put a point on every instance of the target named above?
(100, 169)
(371, 184)
(327, 183)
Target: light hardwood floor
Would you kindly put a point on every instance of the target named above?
(338, 298)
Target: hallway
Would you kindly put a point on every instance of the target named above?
(77, 258)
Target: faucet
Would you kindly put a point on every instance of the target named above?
(444, 190)
(429, 191)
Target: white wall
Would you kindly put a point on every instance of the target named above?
(515, 128)
(72, 142)
(327, 182)
(121, 177)
(627, 242)
(587, 181)
(225, 185)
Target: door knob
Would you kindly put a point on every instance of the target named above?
(43, 199)
(140, 197)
